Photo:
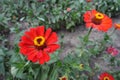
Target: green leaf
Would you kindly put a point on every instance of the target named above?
(43, 72)
(1, 59)
(14, 71)
(54, 57)
(106, 37)
(2, 68)
(41, 19)
(69, 25)
(1, 17)
(20, 74)
(54, 73)
(1, 52)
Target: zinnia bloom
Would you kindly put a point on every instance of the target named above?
(117, 26)
(113, 51)
(106, 76)
(68, 9)
(97, 20)
(88, 0)
(63, 78)
(37, 44)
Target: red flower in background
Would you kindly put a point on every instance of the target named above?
(63, 78)
(88, 0)
(113, 51)
(106, 76)
(97, 20)
(117, 26)
(68, 9)
(37, 44)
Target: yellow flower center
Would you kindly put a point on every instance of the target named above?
(106, 78)
(39, 41)
(97, 19)
(99, 16)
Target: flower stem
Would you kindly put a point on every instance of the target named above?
(86, 37)
(89, 31)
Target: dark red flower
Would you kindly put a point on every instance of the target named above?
(106, 76)
(113, 51)
(88, 0)
(97, 20)
(37, 44)
(63, 78)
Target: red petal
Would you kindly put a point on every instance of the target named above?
(27, 51)
(51, 48)
(52, 39)
(31, 34)
(41, 61)
(23, 50)
(31, 56)
(89, 15)
(93, 12)
(40, 30)
(46, 57)
(47, 33)
(35, 59)
(88, 25)
(26, 39)
(40, 54)
(24, 44)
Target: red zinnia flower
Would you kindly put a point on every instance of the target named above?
(88, 0)
(106, 76)
(63, 78)
(97, 20)
(37, 43)
(117, 26)
(113, 51)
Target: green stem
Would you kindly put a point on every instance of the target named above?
(89, 31)
(86, 38)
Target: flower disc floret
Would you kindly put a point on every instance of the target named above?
(99, 16)
(106, 78)
(39, 41)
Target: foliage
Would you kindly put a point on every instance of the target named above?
(109, 7)
(52, 13)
